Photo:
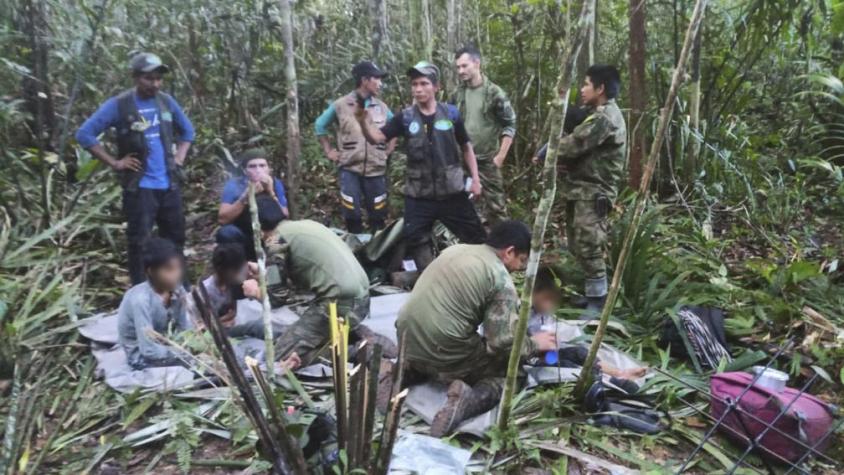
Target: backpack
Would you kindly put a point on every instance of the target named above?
(792, 421)
(697, 334)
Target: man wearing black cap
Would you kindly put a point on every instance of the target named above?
(434, 185)
(363, 166)
(153, 138)
(233, 216)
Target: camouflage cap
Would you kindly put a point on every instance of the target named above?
(147, 62)
(424, 68)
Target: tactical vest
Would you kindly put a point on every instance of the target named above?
(356, 154)
(434, 170)
(134, 141)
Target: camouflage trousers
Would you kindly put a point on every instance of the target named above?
(492, 204)
(586, 232)
(310, 335)
(480, 367)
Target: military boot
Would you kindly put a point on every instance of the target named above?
(595, 291)
(422, 255)
(463, 402)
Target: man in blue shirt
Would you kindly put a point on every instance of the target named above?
(233, 216)
(153, 138)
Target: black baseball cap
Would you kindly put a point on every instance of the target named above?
(367, 69)
(424, 68)
(146, 63)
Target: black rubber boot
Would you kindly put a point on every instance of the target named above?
(423, 255)
(463, 402)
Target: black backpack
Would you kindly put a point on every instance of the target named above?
(697, 334)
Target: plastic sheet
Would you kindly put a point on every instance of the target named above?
(423, 455)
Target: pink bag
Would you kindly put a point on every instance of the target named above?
(806, 422)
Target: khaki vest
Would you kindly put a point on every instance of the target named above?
(356, 154)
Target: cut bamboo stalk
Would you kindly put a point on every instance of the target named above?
(339, 372)
(262, 283)
(283, 463)
(368, 422)
(388, 433)
(585, 379)
(557, 117)
(357, 406)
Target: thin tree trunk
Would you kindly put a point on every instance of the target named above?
(451, 43)
(378, 36)
(262, 284)
(556, 117)
(294, 146)
(427, 33)
(585, 379)
(638, 91)
(694, 142)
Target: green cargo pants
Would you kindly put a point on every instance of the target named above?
(492, 204)
(586, 231)
(310, 335)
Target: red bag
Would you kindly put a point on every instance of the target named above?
(806, 422)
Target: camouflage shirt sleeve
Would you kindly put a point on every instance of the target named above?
(277, 288)
(501, 320)
(504, 113)
(587, 136)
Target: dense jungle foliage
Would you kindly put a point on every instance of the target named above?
(746, 210)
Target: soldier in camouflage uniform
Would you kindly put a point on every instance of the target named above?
(593, 156)
(491, 124)
(312, 258)
(466, 287)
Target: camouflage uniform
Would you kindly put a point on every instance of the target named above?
(594, 156)
(465, 287)
(486, 121)
(315, 259)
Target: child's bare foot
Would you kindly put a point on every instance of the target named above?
(291, 363)
(633, 373)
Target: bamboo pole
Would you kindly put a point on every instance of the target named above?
(388, 433)
(283, 462)
(585, 379)
(368, 421)
(262, 283)
(557, 116)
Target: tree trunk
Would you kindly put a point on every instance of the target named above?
(556, 116)
(294, 145)
(638, 91)
(378, 17)
(585, 379)
(694, 141)
(451, 44)
(427, 33)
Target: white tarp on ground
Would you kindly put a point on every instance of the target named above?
(424, 399)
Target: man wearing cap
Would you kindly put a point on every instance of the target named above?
(153, 138)
(233, 216)
(362, 166)
(491, 123)
(434, 185)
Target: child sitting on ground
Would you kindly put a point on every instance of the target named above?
(157, 304)
(546, 299)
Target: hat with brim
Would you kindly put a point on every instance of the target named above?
(424, 68)
(147, 63)
(367, 69)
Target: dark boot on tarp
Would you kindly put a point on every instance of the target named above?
(422, 255)
(463, 402)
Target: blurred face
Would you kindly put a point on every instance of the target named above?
(371, 85)
(423, 90)
(148, 84)
(168, 276)
(591, 95)
(468, 68)
(513, 260)
(233, 277)
(256, 169)
(546, 301)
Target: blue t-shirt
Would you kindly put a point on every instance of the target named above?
(330, 113)
(236, 186)
(107, 116)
